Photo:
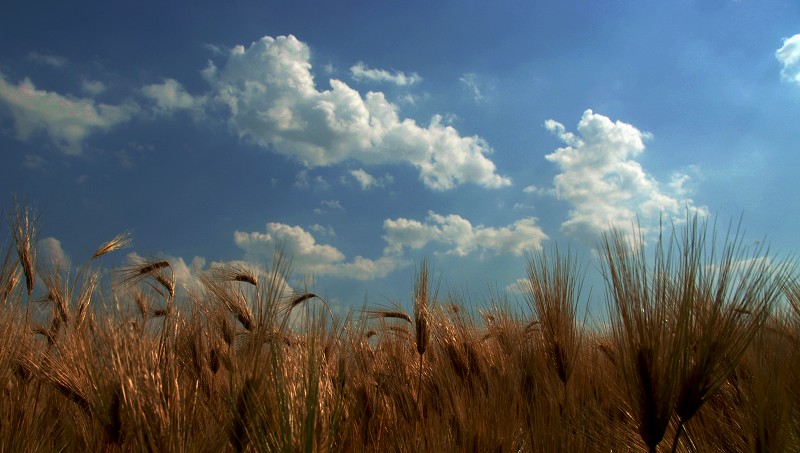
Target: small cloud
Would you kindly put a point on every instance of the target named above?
(320, 183)
(311, 257)
(332, 204)
(215, 49)
(51, 253)
(407, 99)
(535, 190)
(93, 87)
(521, 207)
(789, 56)
(519, 287)
(470, 81)
(49, 60)
(124, 158)
(361, 72)
(367, 181)
(323, 230)
(33, 161)
(328, 205)
(170, 96)
(302, 181)
(141, 147)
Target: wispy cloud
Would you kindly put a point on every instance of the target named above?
(323, 230)
(303, 181)
(33, 161)
(328, 205)
(332, 204)
(471, 83)
(360, 72)
(50, 60)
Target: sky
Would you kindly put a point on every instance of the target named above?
(363, 137)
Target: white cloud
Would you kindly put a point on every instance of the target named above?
(367, 181)
(302, 181)
(604, 183)
(463, 238)
(323, 230)
(66, 120)
(329, 204)
(93, 87)
(470, 81)
(361, 72)
(170, 96)
(50, 60)
(333, 204)
(789, 56)
(50, 252)
(532, 189)
(519, 287)
(364, 179)
(308, 256)
(270, 94)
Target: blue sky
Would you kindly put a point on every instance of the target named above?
(364, 137)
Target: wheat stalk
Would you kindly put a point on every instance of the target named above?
(25, 236)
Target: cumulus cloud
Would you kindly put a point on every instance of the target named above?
(604, 183)
(269, 93)
(520, 287)
(170, 96)
(66, 120)
(461, 238)
(459, 234)
(789, 56)
(361, 72)
(310, 257)
(50, 252)
(367, 181)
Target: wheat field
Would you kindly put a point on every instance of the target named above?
(699, 353)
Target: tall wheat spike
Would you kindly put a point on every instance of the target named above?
(643, 329)
(25, 235)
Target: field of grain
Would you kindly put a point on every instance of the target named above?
(700, 353)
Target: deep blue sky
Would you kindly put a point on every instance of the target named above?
(365, 136)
